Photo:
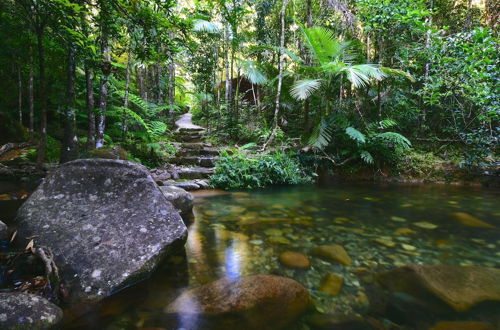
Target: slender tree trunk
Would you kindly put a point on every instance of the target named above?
(368, 49)
(127, 91)
(103, 90)
(226, 65)
(89, 82)
(159, 73)
(43, 99)
(69, 149)
(307, 104)
(281, 60)
(31, 96)
(171, 82)
(141, 82)
(20, 94)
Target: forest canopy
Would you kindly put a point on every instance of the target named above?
(366, 82)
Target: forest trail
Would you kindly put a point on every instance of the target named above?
(186, 122)
(195, 158)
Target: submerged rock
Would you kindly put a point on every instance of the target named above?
(385, 242)
(459, 287)
(106, 222)
(462, 325)
(27, 311)
(251, 302)
(470, 220)
(425, 225)
(180, 199)
(294, 260)
(332, 284)
(403, 232)
(333, 252)
(340, 321)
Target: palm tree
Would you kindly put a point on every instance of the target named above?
(333, 59)
(333, 65)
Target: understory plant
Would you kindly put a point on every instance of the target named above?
(237, 168)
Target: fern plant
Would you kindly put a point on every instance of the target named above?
(337, 136)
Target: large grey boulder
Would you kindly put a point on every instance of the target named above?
(106, 222)
(27, 311)
(180, 199)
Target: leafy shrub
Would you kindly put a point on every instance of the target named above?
(238, 169)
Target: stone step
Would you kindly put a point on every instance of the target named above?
(194, 145)
(190, 185)
(197, 152)
(191, 129)
(194, 160)
(189, 133)
(189, 138)
(195, 172)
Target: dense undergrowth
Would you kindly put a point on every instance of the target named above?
(238, 168)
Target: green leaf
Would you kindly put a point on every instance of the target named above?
(355, 135)
(302, 89)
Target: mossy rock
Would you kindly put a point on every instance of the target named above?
(115, 152)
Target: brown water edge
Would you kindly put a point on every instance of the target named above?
(447, 175)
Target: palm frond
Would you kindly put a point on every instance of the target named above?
(322, 44)
(201, 25)
(355, 135)
(252, 72)
(321, 135)
(302, 89)
(361, 74)
(397, 72)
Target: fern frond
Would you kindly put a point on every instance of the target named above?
(355, 135)
(366, 157)
(394, 139)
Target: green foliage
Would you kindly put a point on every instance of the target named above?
(238, 169)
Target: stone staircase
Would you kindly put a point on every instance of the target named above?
(194, 161)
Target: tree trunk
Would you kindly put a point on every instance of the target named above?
(31, 96)
(69, 149)
(127, 91)
(171, 82)
(281, 59)
(103, 90)
(89, 82)
(307, 104)
(43, 99)
(226, 65)
(20, 94)
(140, 82)
(159, 87)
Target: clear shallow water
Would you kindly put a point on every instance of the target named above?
(243, 233)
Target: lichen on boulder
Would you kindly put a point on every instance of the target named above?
(106, 222)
